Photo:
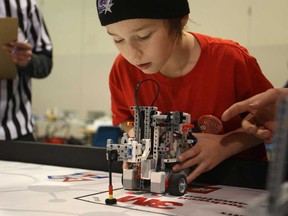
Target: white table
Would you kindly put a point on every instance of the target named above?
(27, 190)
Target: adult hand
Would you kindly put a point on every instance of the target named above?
(261, 118)
(21, 52)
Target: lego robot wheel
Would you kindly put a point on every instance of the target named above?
(177, 184)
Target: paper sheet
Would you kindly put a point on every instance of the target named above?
(8, 33)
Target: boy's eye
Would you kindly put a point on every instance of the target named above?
(144, 37)
(118, 40)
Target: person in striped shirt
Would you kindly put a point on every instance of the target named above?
(32, 54)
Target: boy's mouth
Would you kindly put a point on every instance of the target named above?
(144, 66)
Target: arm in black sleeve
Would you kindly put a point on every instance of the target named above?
(37, 35)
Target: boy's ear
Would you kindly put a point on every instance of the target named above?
(184, 21)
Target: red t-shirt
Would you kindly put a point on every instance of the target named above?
(224, 74)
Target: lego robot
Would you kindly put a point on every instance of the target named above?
(158, 141)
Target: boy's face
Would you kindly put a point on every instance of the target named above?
(145, 43)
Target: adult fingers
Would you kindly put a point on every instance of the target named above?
(248, 124)
(235, 110)
(23, 45)
(21, 60)
(269, 97)
(264, 134)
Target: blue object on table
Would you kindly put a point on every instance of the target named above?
(103, 133)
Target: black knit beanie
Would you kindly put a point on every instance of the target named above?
(112, 11)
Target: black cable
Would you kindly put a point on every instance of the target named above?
(137, 89)
(136, 97)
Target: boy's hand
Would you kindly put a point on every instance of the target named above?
(205, 155)
(212, 149)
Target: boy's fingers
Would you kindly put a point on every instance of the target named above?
(196, 172)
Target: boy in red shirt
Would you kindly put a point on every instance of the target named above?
(197, 74)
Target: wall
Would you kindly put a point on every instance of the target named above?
(259, 25)
(83, 52)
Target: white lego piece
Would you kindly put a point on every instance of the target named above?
(147, 166)
(158, 182)
(129, 179)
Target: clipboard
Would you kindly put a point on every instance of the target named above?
(8, 33)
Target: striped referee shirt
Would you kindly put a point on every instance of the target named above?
(15, 94)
